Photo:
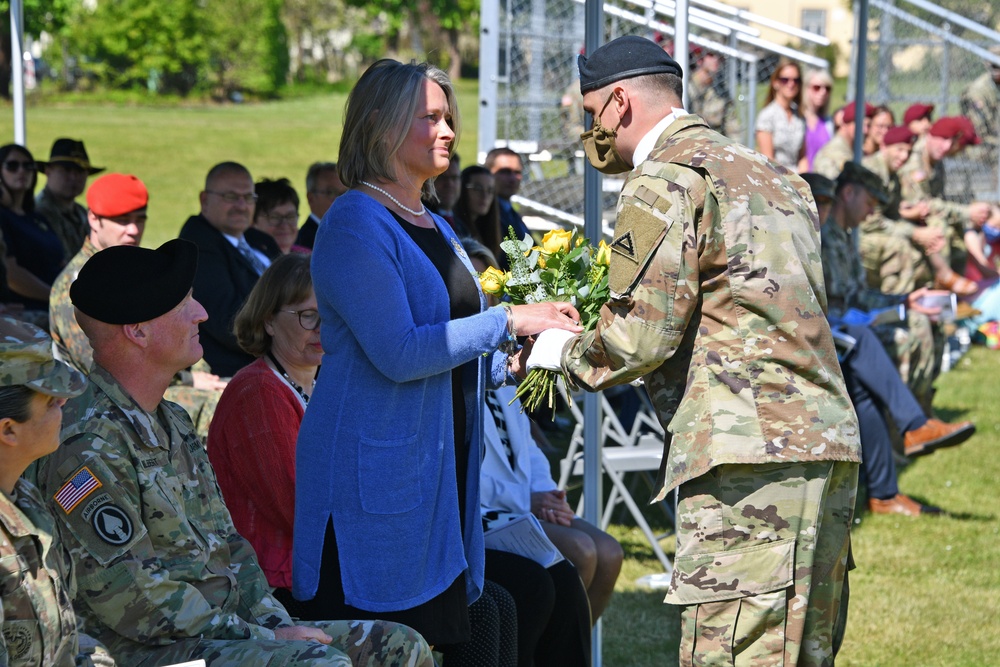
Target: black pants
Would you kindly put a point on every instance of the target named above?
(553, 613)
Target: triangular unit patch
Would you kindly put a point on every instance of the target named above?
(625, 245)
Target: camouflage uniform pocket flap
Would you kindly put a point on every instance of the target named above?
(727, 575)
(639, 230)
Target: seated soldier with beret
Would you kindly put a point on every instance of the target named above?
(163, 576)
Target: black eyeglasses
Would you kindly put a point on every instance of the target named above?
(233, 197)
(17, 165)
(785, 80)
(479, 189)
(308, 318)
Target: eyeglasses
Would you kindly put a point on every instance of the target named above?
(289, 220)
(820, 86)
(17, 165)
(479, 189)
(785, 80)
(308, 318)
(233, 197)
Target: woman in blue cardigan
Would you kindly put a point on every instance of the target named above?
(387, 515)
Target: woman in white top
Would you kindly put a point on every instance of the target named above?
(781, 129)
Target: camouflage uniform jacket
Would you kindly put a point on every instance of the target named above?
(157, 557)
(716, 109)
(981, 103)
(39, 627)
(920, 183)
(70, 226)
(886, 218)
(844, 275)
(717, 302)
(830, 159)
(69, 343)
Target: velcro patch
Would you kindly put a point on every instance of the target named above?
(74, 491)
(625, 245)
(112, 524)
(641, 231)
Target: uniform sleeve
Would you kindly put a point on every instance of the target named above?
(654, 283)
(120, 578)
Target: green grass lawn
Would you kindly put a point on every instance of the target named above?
(172, 148)
(926, 592)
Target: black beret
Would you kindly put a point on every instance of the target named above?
(855, 173)
(624, 58)
(129, 284)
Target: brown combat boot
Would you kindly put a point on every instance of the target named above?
(901, 504)
(936, 434)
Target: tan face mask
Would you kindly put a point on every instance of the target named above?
(599, 145)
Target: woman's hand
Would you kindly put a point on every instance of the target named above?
(302, 633)
(551, 506)
(533, 318)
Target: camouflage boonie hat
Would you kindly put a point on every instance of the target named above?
(820, 185)
(26, 360)
(855, 173)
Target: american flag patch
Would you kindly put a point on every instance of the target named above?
(75, 490)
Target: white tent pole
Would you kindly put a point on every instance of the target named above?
(17, 68)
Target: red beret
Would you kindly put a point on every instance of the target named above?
(112, 195)
(948, 127)
(900, 134)
(917, 111)
(969, 136)
(849, 112)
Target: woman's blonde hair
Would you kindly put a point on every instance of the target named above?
(285, 282)
(377, 117)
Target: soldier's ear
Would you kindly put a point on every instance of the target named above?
(136, 333)
(8, 432)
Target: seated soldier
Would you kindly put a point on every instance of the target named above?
(163, 576)
(116, 215)
(66, 175)
(913, 345)
(38, 623)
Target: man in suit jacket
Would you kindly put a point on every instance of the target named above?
(323, 186)
(231, 258)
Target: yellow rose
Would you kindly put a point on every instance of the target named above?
(556, 240)
(603, 253)
(492, 280)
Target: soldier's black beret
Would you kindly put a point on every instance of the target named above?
(129, 284)
(855, 173)
(623, 58)
(820, 185)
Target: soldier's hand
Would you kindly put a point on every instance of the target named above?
(302, 633)
(913, 301)
(929, 238)
(203, 380)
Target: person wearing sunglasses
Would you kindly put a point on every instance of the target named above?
(781, 129)
(816, 111)
(34, 254)
(277, 213)
(231, 257)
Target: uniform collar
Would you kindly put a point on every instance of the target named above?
(648, 141)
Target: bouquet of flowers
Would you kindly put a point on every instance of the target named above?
(566, 267)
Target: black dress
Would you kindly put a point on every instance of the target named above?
(444, 619)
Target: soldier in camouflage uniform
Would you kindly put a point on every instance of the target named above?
(36, 586)
(66, 175)
(706, 101)
(163, 576)
(913, 345)
(117, 216)
(981, 104)
(830, 159)
(922, 179)
(717, 304)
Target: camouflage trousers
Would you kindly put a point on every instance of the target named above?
(198, 403)
(358, 643)
(916, 349)
(762, 558)
(893, 264)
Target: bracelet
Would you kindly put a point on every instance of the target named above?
(509, 345)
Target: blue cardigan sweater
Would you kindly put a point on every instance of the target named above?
(376, 448)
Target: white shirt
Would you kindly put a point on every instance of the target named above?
(648, 141)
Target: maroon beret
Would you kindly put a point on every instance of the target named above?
(900, 134)
(917, 111)
(948, 127)
(849, 112)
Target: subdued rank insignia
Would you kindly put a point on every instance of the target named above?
(625, 245)
(112, 524)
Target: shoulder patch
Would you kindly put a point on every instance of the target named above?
(74, 491)
(625, 245)
(112, 524)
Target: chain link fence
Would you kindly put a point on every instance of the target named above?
(918, 56)
(539, 110)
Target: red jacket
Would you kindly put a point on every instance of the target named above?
(251, 445)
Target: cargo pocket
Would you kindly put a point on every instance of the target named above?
(389, 475)
(736, 602)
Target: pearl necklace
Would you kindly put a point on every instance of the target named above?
(395, 201)
(295, 385)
